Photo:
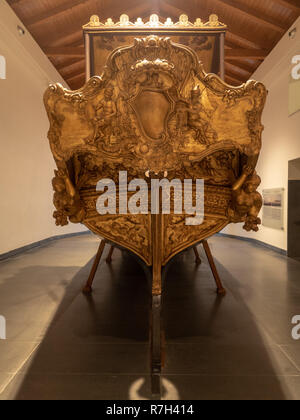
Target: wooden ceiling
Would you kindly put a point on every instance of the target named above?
(254, 27)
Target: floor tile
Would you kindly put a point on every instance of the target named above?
(97, 347)
(202, 387)
(14, 354)
(77, 387)
(292, 351)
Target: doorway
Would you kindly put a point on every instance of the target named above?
(294, 209)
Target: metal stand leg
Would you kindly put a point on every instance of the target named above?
(198, 259)
(108, 258)
(156, 351)
(88, 287)
(156, 347)
(220, 289)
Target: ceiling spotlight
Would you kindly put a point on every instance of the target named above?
(292, 33)
(21, 30)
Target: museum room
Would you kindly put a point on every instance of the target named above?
(150, 202)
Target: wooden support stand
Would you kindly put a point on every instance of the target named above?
(220, 289)
(198, 259)
(155, 321)
(108, 258)
(88, 287)
(156, 347)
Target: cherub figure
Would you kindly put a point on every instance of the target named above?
(66, 200)
(247, 203)
(199, 118)
(105, 111)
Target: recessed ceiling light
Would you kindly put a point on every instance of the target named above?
(292, 33)
(21, 30)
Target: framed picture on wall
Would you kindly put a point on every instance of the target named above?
(273, 208)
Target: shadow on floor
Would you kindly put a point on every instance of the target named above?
(97, 347)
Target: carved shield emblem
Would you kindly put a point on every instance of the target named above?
(152, 109)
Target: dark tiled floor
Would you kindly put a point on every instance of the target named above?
(63, 345)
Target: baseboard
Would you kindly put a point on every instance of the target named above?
(43, 242)
(256, 242)
(46, 241)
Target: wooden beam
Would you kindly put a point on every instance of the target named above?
(171, 10)
(233, 81)
(255, 15)
(237, 33)
(134, 10)
(238, 70)
(155, 6)
(235, 41)
(69, 64)
(238, 53)
(236, 75)
(13, 2)
(231, 44)
(63, 39)
(63, 32)
(51, 13)
(77, 85)
(64, 51)
(245, 67)
(242, 41)
(290, 4)
(79, 69)
(77, 76)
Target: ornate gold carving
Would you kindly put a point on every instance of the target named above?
(199, 23)
(154, 22)
(200, 106)
(213, 21)
(247, 203)
(94, 21)
(66, 200)
(178, 236)
(154, 112)
(131, 232)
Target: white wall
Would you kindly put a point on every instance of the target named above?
(281, 138)
(26, 163)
